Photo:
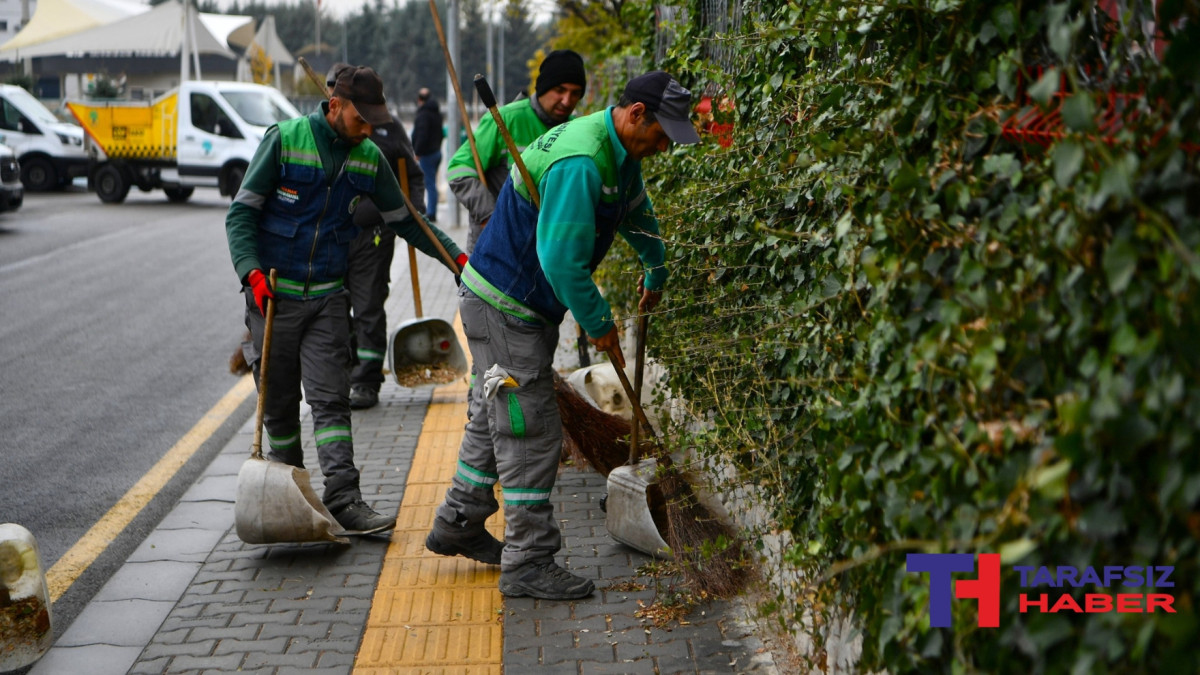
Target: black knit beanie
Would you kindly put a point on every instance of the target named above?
(560, 66)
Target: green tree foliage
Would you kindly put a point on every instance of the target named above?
(914, 332)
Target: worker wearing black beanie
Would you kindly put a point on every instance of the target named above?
(560, 66)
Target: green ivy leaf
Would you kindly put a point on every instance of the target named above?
(1079, 112)
(1120, 262)
(1045, 87)
(1013, 551)
(1068, 158)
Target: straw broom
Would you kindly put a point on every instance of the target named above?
(711, 556)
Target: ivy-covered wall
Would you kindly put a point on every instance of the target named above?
(919, 324)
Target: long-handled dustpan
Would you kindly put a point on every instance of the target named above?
(636, 508)
(275, 502)
(420, 346)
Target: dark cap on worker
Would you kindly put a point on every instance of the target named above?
(331, 76)
(561, 66)
(361, 86)
(670, 103)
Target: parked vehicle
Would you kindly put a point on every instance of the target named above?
(201, 134)
(12, 193)
(50, 150)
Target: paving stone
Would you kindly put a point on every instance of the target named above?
(268, 661)
(603, 654)
(271, 646)
(161, 580)
(247, 632)
(151, 667)
(90, 659)
(118, 623)
(193, 648)
(226, 662)
(313, 631)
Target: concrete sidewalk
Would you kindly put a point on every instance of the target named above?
(194, 599)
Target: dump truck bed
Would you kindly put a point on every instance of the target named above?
(131, 129)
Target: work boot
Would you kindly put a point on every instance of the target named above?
(362, 398)
(546, 580)
(482, 546)
(358, 518)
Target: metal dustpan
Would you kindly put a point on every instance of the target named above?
(635, 510)
(275, 502)
(420, 345)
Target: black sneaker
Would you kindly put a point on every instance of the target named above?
(358, 518)
(362, 398)
(546, 580)
(482, 547)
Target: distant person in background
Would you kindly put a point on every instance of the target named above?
(427, 143)
(559, 86)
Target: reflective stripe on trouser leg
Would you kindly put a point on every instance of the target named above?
(281, 410)
(471, 498)
(517, 431)
(367, 278)
(325, 362)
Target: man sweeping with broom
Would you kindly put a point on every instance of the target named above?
(295, 213)
(529, 267)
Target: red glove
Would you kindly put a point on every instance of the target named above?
(261, 289)
(461, 260)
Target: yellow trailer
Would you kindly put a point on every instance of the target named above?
(131, 129)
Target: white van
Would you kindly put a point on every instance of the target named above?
(201, 134)
(50, 150)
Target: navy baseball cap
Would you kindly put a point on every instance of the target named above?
(670, 103)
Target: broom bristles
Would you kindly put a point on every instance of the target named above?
(237, 360)
(599, 439)
(709, 552)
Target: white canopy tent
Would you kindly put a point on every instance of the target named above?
(158, 32)
(59, 18)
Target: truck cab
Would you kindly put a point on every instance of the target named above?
(220, 127)
(201, 134)
(50, 151)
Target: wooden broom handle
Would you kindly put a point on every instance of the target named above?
(489, 100)
(637, 405)
(402, 174)
(260, 412)
(462, 106)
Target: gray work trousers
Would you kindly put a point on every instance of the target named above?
(514, 437)
(367, 279)
(310, 346)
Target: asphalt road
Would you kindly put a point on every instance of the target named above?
(116, 325)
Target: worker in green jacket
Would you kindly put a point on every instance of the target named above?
(560, 84)
(295, 213)
(529, 268)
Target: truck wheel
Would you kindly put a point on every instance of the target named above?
(179, 195)
(38, 174)
(112, 184)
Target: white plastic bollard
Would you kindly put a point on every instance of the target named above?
(25, 632)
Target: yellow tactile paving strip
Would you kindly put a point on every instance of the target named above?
(432, 614)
